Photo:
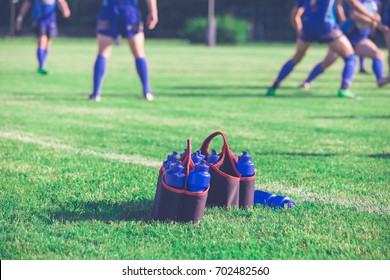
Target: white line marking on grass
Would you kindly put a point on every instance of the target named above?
(305, 196)
(58, 146)
(360, 203)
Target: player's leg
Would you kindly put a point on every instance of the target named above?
(137, 46)
(387, 38)
(343, 48)
(46, 30)
(330, 58)
(368, 48)
(42, 50)
(104, 53)
(362, 65)
(289, 66)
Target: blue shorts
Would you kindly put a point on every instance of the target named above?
(123, 20)
(353, 33)
(355, 37)
(324, 33)
(46, 26)
(387, 17)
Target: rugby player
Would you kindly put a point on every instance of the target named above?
(123, 17)
(45, 24)
(319, 25)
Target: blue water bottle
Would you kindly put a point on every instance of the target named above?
(245, 165)
(199, 178)
(213, 158)
(173, 158)
(197, 157)
(281, 201)
(272, 200)
(175, 176)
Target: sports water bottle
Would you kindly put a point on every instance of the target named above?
(272, 200)
(213, 158)
(197, 157)
(175, 176)
(199, 178)
(183, 154)
(173, 158)
(245, 165)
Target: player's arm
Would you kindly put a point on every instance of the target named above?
(296, 16)
(361, 18)
(64, 7)
(152, 18)
(340, 11)
(23, 11)
(359, 7)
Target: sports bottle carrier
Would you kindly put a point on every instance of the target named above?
(227, 187)
(179, 204)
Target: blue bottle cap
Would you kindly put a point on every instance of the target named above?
(201, 155)
(197, 157)
(202, 166)
(213, 158)
(245, 157)
(174, 157)
(176, 167)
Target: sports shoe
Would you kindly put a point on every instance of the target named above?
(42, 71)
(363, 71)
(305, 85)
(346, 93)
(96, 98)
(149, 96)
(271, 92)
(383, 81)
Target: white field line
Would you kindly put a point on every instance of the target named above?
(359, 203)
(303, 196)
(57, 146)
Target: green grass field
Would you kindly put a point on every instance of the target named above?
(77, 179)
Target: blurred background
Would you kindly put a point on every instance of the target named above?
(238, 21)
(268, 20)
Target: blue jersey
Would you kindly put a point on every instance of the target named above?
(355, 31)
(318, 11)
(371, 6)
(43, 8)
(113, 3)
(319, 21)
(299, 3)
(386, 14)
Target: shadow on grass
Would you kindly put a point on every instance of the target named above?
(384, 117)
(103, 210)
(260, 94)
(216, 87)
(383, 156)
(297, 154)
(380, 156)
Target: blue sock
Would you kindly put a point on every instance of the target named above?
(284, 72)
(41, 55)
(377, 67)
(362, 62)
(98, 74)
(143, 73)
(349, 71)
(317, 70)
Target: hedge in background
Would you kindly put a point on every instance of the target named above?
(230, 30)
